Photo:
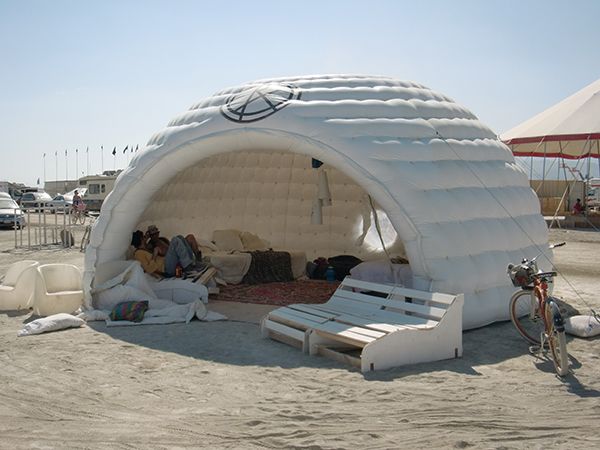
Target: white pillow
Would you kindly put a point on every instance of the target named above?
(54, 322)
(252, 242)
(206, 247)
(582, 326)
(228, 240)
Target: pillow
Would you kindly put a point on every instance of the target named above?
(252, 241)
(582, 326)
(206, 247)
(132, 311)
(228, 240)
(54, 322)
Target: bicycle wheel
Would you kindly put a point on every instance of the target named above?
(557, 339)
(524, 313)
(81, 218)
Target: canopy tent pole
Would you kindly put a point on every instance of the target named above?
(531, 168)
(544, 165)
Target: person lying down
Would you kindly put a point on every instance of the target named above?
(160, 256)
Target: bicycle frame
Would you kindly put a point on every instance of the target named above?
(540, 290)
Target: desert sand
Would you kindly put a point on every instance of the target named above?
(220, 385)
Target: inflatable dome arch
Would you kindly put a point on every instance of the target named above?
(241, 159)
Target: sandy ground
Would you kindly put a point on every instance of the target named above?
(220, 385)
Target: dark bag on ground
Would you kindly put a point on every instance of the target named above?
(342, 265)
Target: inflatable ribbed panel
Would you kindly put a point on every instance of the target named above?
(452, 192)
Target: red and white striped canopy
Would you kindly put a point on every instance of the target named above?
(570, 129)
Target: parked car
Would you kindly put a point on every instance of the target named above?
(60, 203)
(35, 199)
(10, 212)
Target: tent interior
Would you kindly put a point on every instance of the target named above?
(271, 194)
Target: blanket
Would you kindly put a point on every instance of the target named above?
(268, 266)
(174, 313)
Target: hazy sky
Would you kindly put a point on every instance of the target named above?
(78, 74)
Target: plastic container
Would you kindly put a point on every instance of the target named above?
(178, 271)
(330, 274)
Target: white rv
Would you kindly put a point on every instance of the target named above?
(98, 187)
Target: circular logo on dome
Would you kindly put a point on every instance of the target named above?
(258, 102)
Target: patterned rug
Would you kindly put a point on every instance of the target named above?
(278, 293)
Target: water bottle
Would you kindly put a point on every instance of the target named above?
(330, 274)
(178, 271)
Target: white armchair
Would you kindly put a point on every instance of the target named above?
(16, 290)
(58, 289)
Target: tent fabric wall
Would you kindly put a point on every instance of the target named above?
(452, 191)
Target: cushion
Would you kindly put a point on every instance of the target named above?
(582, 326)
(228, 240)
(252, 242)
(51, 323)
(206, 246)
(132, 311)
(382, 271)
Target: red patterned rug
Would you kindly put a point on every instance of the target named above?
(278, 293)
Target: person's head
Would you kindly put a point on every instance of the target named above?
(137, 238)
(152, 232)
(76, 192)
(578, 200)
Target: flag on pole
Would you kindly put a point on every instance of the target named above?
(55, 153)
(87, 150)
(137, 147)
(38, 181)
(44, 155)
(125, 149)
(131, 149)
(65, 153)
(114, 152)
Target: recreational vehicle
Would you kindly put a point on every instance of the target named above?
(98, 187)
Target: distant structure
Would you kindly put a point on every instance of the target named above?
(15, 190)
(60, 186)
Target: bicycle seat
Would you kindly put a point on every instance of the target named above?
(545, 274)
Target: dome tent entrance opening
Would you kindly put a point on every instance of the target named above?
(460, 206)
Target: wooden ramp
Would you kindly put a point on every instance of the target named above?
(373, 326)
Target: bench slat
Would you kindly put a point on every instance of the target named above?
(296, 318)
(386, 316)
(398, 290)
(396, 303)
(284, 330)
(366, 285)
(356, 335)
(308, 309)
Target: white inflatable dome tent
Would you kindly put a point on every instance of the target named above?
(455, 203)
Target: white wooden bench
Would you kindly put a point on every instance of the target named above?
(373, 326)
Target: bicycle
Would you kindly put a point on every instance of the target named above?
(536, 314)
(87, 232)
(78, 214)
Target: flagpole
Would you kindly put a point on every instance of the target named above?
(102, 158)
(44, 170)
(77, 164)
(56, 160)
(87, 156)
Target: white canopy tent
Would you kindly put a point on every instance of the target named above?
(440, 179)
(570, 129)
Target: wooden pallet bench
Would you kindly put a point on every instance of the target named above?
(373, 326)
